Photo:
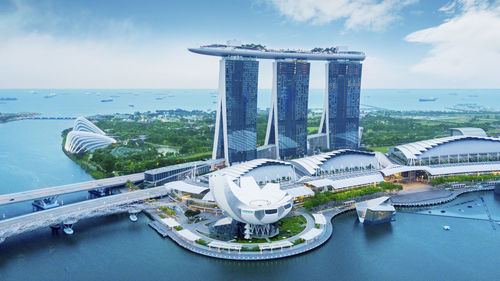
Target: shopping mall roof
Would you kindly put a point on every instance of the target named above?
(415, 149)
(299, 191)
(238, 170)
(313, 163)
(187, 187)
(468, 131)
(341, 183)
(438, 170)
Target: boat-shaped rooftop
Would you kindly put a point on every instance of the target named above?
(260, 52)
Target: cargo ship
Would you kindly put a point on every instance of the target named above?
(375, 211)
(427, 99)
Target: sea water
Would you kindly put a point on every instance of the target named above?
(414, 247)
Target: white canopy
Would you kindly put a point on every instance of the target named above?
(311, 234)
(170, 222)
(275, 245)
(224, 245)
(188, 235)
(319, 219)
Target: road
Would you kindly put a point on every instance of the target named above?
(69, 188)
(90, 208)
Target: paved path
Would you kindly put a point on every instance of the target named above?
(259, 255)
(69, 188)
(434, 197)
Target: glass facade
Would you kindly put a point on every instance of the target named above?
(238, 110)
(290, 103)
(343, 93)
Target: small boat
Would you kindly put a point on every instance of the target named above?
(107, 100)
(7, 99)
(68, 230)
(427, 99)
(51, 95)
(131, 105)
(159, 98)
(446, 227)
(133, 218)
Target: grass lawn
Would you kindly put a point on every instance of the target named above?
(289, 227)
(382, 149)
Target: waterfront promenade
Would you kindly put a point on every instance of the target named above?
(277, 253)
(433, 197)
(129, 201)
(69, 188)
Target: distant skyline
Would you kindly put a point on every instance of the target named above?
(143, 44)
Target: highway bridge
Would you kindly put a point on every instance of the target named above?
(50, 193)
(67, 215)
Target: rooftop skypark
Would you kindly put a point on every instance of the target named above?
(260, 51)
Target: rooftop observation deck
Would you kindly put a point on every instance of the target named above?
(263, 53)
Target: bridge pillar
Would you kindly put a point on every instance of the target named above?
(45, 203)
(100, 192)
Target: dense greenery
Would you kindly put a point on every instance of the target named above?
(252, 249)
(390, 186)
(178, 228)
(322, 198)
(463, 178)
(151, 140)
(167, 210)
(388, 128)
(191, 213)
(7, 117)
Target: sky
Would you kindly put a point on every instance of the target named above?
(143, 44)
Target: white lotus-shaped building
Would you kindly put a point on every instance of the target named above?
(86, 136)
(248, 203)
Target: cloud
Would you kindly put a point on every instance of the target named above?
(466, 47)
(42, 61)
(43, 49)
(358, 14)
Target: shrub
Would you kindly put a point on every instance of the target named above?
(298, 241)
(202, 242)
(190, 213)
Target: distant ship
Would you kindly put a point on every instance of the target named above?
(51, 95)
(7, 99)
(107, 100)
(427, 99)
(375, 211)
(131, 105)
(159, 98)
